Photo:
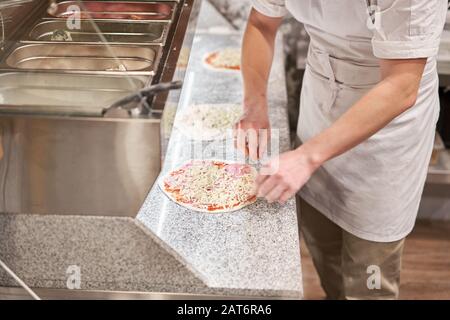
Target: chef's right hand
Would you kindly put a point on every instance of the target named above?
(252, 132)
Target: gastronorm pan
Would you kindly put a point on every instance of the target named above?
(100, 31)
(116, 10)
(64, 94)
(76, 58)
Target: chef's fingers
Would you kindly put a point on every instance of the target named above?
(267, 186)
(241, 141)
(286, 196)
(255, 188)
(252, 143)
(235, 129)
(261, 178)
(275, 193)
(235, 134)
(264, 136)
(270, 168)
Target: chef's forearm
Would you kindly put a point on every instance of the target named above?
(257, 55)
(395, 94)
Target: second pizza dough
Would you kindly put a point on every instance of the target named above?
(208, 121)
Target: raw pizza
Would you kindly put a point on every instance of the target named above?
(226, 59)
(211, 185)
(208, 121)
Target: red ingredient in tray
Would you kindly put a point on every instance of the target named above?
(125, 11)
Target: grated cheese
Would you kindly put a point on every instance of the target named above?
(208, 122)
(212, 185)
(227, 58)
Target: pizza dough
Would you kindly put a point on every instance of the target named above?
(228, 59)
(211, 185)
(208, 122)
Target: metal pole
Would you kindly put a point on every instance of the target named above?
(19, 281)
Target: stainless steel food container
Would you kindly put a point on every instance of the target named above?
(77, 165)
(137, 33)
(116, 10)
(87, 58)
(64, 94)
(59, 155)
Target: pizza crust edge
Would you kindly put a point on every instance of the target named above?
(193, 208)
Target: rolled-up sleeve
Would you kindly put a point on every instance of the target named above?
(270, 8)
(408, 29)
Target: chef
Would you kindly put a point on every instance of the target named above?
(368, 110)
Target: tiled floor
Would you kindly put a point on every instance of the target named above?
(426, 264)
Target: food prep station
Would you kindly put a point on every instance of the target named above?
(59, 76)
(78, 170)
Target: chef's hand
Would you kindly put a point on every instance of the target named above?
(283, 176)
(252, 132)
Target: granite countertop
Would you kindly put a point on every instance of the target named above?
(167, 248)
(255, 248)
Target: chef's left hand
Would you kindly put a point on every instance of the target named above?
(282, 177)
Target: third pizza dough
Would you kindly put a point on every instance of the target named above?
(228, 59)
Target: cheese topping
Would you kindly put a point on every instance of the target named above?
(205, 122)
(212, 185)
(229, 58)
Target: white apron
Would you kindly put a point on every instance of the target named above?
(372, 191)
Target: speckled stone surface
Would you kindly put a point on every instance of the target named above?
(255, 248)
(112, 254)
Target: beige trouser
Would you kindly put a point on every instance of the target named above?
(350, 267)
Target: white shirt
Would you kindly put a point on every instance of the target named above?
(372, 191)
